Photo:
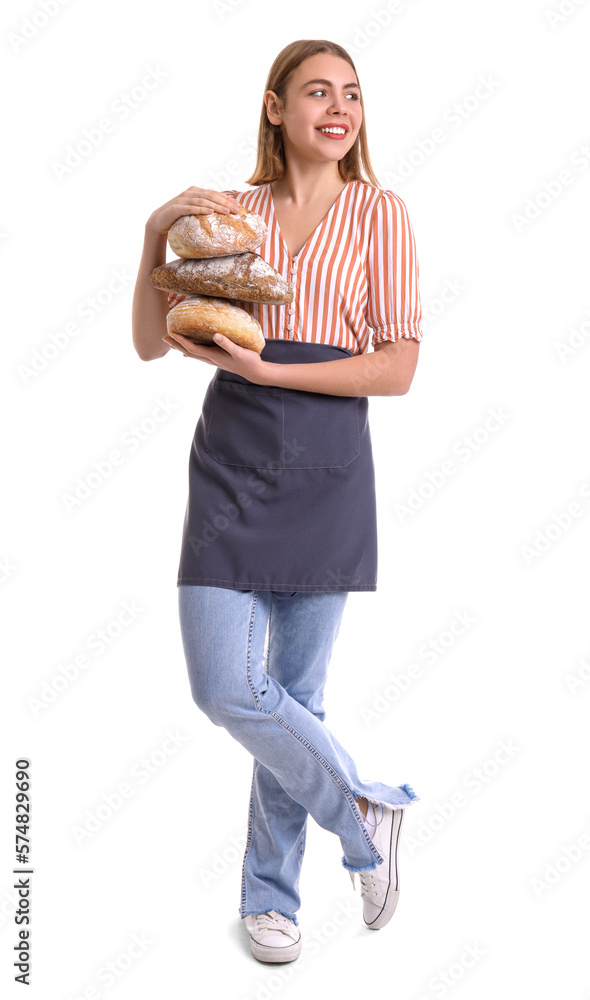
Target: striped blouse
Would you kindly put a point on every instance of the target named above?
(357, 272)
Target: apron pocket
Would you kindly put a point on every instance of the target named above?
(320, 431)
(245, 426)
(257, 427)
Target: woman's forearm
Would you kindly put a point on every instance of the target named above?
(373, 374)
(150, 305)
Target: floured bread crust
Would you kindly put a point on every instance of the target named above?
(217, 234)
(246, 276)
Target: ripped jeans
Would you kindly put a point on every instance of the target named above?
(270, 699)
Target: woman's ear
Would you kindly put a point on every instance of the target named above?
(273, 107)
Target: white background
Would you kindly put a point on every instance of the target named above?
(484, 860)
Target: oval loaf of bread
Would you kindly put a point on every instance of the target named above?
(246, 276)
(200, 316)
(217, 234)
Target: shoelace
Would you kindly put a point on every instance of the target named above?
(367, 878)
(273, 921)
(369, 888)
(375, 825)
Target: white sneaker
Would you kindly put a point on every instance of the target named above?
(380, 886)
(273, 937)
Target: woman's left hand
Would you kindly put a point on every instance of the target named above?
(229, 356)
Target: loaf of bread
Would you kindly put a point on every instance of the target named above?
(246, 276)
(200, 316)
(217, 234)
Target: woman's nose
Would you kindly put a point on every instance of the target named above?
(337, 105)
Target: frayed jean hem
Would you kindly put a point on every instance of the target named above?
(410, 791)
(404, 792)
(360, 868)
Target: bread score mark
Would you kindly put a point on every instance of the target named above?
(236, 222)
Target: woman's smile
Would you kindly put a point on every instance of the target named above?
(333, 131)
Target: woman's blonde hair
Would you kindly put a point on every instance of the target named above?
(270, 157)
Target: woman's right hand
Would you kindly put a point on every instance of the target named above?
(193, 201)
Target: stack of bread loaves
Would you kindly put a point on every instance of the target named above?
(216, 264)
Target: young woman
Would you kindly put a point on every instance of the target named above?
(281, 516)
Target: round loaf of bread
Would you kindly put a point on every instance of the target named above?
(217, 234)
(200, 316)
(246, 276)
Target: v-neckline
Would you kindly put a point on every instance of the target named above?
(319, 225)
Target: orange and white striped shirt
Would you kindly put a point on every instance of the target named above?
(358, 272)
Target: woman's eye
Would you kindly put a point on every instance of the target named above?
(356, 96)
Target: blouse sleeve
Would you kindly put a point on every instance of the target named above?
(174, 298)
(393, 308)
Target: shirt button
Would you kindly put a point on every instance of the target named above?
(291, 310)
(290, 327)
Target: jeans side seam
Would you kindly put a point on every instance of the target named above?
(251, 685)
(335, 777)
(251, 804)
(248, 840)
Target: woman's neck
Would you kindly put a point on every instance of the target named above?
(304, 185)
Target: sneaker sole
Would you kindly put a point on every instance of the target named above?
(392, 895)
(264, 953)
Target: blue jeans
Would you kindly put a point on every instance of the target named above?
(274, 708)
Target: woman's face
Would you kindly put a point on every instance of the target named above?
(308, 105)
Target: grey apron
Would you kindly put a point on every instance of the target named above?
(281, 485)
